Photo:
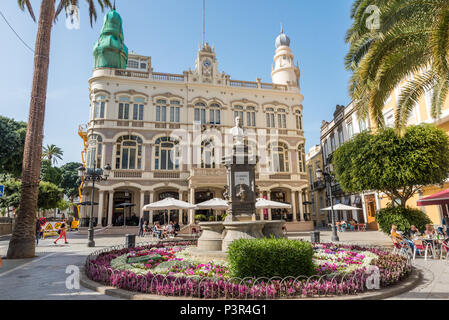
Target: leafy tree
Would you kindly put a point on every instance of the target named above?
(50, 174)
(70, 180)
(12, 141)
(52, 153)
(410, 38)
(396, 165)
(22, 243)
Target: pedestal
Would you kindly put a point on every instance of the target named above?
(241, 230)
(274, 229)
(211, 237)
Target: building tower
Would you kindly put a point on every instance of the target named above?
(110, 50)
(284, 70)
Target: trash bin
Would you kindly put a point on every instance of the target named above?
(315, 236)
(130, 240)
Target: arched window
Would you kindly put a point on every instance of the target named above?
(214, 114)
(208, 154)
(301, 158)
(200, 113)
(298, 120)
(167, 154)
(94, 151)
(278, 157)
(128, 154)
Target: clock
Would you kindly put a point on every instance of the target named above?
(207, 63)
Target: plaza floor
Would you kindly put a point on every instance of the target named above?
(44, 277)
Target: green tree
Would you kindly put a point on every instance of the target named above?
(12, 141)
(52, 153)
(396, 165)
(22, 243)
(70, 180)
(410, 38)
(50, 173)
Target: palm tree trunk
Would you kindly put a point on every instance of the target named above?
(22, 244)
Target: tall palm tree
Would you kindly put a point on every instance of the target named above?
(410, 50)
(22, 243)
(52, 153)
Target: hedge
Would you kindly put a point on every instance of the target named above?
(270, 257)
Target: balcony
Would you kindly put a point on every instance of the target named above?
(166, 175)
(336, 189)
(127, 174)
(280, 176)
(318, 185)
(168, 77)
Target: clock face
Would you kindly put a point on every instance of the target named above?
(207, 63)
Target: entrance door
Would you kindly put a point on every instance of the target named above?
(370, 203)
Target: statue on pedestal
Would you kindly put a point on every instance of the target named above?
(238, 134)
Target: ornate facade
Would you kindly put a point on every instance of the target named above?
(164, 134)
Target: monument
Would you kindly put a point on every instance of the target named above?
(241, 194)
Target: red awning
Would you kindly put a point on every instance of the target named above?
(439, 198)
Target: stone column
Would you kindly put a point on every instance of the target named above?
(293, 195)
(270, 217)
(301, 206)
(181, 212)
(100, 208)
(110, 208)
(142, 202)
(191, 211)
(151, 211)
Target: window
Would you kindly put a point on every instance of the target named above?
(270, 118)
(238, 112)
(362, 125)
(340, 137)
(214, 114)
(99, 110)
(298, 120)
(332, 143)
(250, 116)
(350, 130)
(138, 112)
(200, 113)
(167, 154)
(161, 110)
(278, 157)
(311, 176)
(128, 154)
(301, 158)
(94, 151)
(175, 111)
(133, 64)
(123, 111)
(208, 154)
(326, 150)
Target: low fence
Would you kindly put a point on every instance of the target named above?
(330, 285)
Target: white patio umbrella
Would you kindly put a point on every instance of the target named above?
(214, 204)
(268, 204)
(341, 206)
(168, 204)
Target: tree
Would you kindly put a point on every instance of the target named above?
(12, 141)
(70, 180)
(52, 153)
(50, 174)
(22, 243)
(409, 45)
(396, 165)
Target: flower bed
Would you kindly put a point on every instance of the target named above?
(163, 269)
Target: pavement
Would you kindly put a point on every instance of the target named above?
(45, 277)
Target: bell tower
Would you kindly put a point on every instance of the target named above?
(284, 70)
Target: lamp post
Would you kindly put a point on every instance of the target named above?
(93, 175)
(328, 178)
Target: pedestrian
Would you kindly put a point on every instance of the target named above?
(141, 224)
(62, 232)
(38, 230)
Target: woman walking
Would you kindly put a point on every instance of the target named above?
(62, 232)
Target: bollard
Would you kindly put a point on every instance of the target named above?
(130, 240)
(315, 236)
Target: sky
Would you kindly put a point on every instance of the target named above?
(242, 31)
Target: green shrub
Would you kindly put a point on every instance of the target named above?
(402, 217)
(270, 257)
(200, 217)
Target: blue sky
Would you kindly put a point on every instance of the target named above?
(242, 31)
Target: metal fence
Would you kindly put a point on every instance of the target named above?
(329, 285)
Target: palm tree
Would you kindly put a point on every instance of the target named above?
(410, 50)
(22, 243)
(52, 153)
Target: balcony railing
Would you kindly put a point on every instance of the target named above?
(166, 175)
(127, 174)
(212, 172)
(280, 176)
(168, 77)
(134, 74)
(243, 84)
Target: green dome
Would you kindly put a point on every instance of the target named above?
(110, 50)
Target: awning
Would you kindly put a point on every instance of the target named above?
(340, 206)
(439, 198)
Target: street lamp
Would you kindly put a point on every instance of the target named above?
(328, 179)
(92, 174)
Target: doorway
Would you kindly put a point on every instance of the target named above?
(370, 202)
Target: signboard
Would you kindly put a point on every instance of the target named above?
(241, 178)
(51, 228)
(2, 190)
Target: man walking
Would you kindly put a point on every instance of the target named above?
(38, 230)
(141, 224)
